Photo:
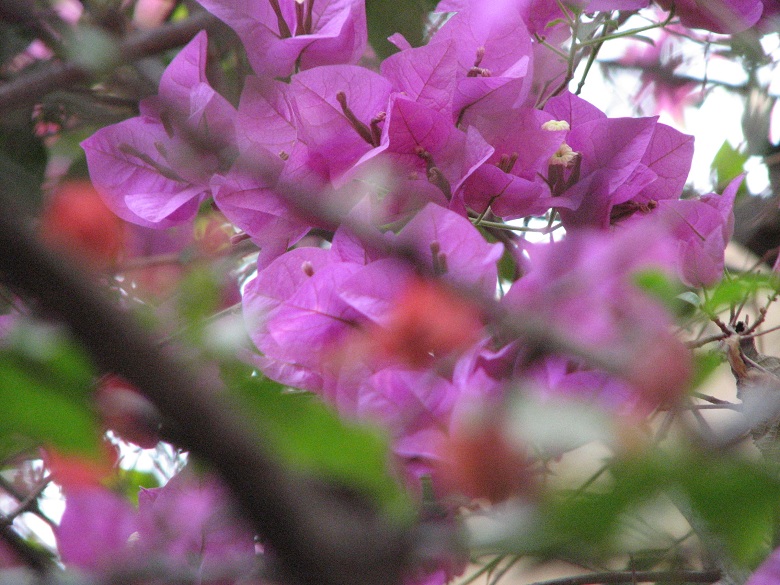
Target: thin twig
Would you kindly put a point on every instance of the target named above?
(705, 340)
(504, 570)
(26, 503)
(484, 569)
(681, 576)
(763, 332)
(708, 398)
(32, 506)
(630, 32)
(515, 228)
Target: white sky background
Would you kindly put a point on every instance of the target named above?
(719, 117)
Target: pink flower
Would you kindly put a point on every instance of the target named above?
(657, 64)
(702, 228)
(280, 35)
(581, 289)
(186, 525)
(720, 16)
(148, 169)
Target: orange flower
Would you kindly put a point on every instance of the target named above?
(428, 320)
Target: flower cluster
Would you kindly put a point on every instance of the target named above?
(182, 531)
(447, 138)
(382, 202)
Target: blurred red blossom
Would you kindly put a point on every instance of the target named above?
(427, 320)
(76, 220)
(481, 462)
(127, 412)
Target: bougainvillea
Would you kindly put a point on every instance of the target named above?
(434, 237)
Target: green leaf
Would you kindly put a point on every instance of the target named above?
(199, 296)
(704, 364)
(47, 352)
(130, 482)
(737, 499)
(690, 297)
(728, 164)
(45, 386)
(92, 48)
(387, 17)
(310, 437)
(657, 284)
(736, 290)
(585, 524)
(180, 13)
(34, 408)
(507, 267)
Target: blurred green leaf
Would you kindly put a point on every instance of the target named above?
(704, 363)
(46, 353)
(727, 164)
(690, 297)
(130, 482)
(199, 297)
(92, 48)
(45, 386)
(507, 267)
(736, 290)
(311, 437)
(657, 284)
(738, 500)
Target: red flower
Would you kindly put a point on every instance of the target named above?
(428, 320)
(77, 221)
(483, 463)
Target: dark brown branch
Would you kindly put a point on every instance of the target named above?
(316, 537)
(166, 37)
(32, 506)
(659, 72)
(35, 558)
(26, 503)
(637, 577)
(27, 15)
(31, 86)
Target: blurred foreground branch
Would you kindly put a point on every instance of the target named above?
(316, 537)
(638, 577)
(32, 85)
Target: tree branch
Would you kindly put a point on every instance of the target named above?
(316, 537)
(637, 577)
(31, 86)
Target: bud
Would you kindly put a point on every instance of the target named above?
(127, 412)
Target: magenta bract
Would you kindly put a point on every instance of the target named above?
(155, 169)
